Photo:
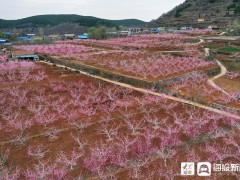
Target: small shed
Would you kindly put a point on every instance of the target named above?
(112, 33)
(83, 36)
(22, 38)
(52, 37)
(24, 55)
(33, 57)
(30, 35)
(3, 41)
(7, 33)
(214, 27)
(200, 20)
(155, 30)
(186, 28)
(124, 33)
(69, 36)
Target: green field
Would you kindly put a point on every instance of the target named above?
(232, 66)
(232, 49)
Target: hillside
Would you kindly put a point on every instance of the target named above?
(53, 20)
(202, 13)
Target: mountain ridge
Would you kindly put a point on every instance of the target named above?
(57, 19)
(202, 13)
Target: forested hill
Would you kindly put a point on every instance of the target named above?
(201, 13)
(53, 20)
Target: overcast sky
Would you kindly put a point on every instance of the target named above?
(109, 9)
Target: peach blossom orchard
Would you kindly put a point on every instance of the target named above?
(56, 124)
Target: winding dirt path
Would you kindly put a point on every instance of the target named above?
(201, 41)
(222, 73)
(225, 113)
(221, 34)
(207, 52)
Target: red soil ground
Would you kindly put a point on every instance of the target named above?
(58, 136)
(229, 85)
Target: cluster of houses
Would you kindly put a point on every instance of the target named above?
(31, 37)
(5, 42)
(166, 29)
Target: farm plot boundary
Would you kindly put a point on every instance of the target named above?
(89, 71)
(159, 85)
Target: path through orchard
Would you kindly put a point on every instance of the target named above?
(225, 113)
(222, 73)
(153, 157)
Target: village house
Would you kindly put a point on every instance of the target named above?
(200, 20)
(24, 55)
(31, 35)
(52, 37)
(69, 36)
(83, 36)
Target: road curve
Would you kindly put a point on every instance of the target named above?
(222, 73)
(224, 113)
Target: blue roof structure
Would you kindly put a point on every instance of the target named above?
(84, 36)
(3, 40)
(33, 56)
(7, 33)
(155, 29)
(23, 37)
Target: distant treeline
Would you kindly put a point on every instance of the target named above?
(53, 20)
